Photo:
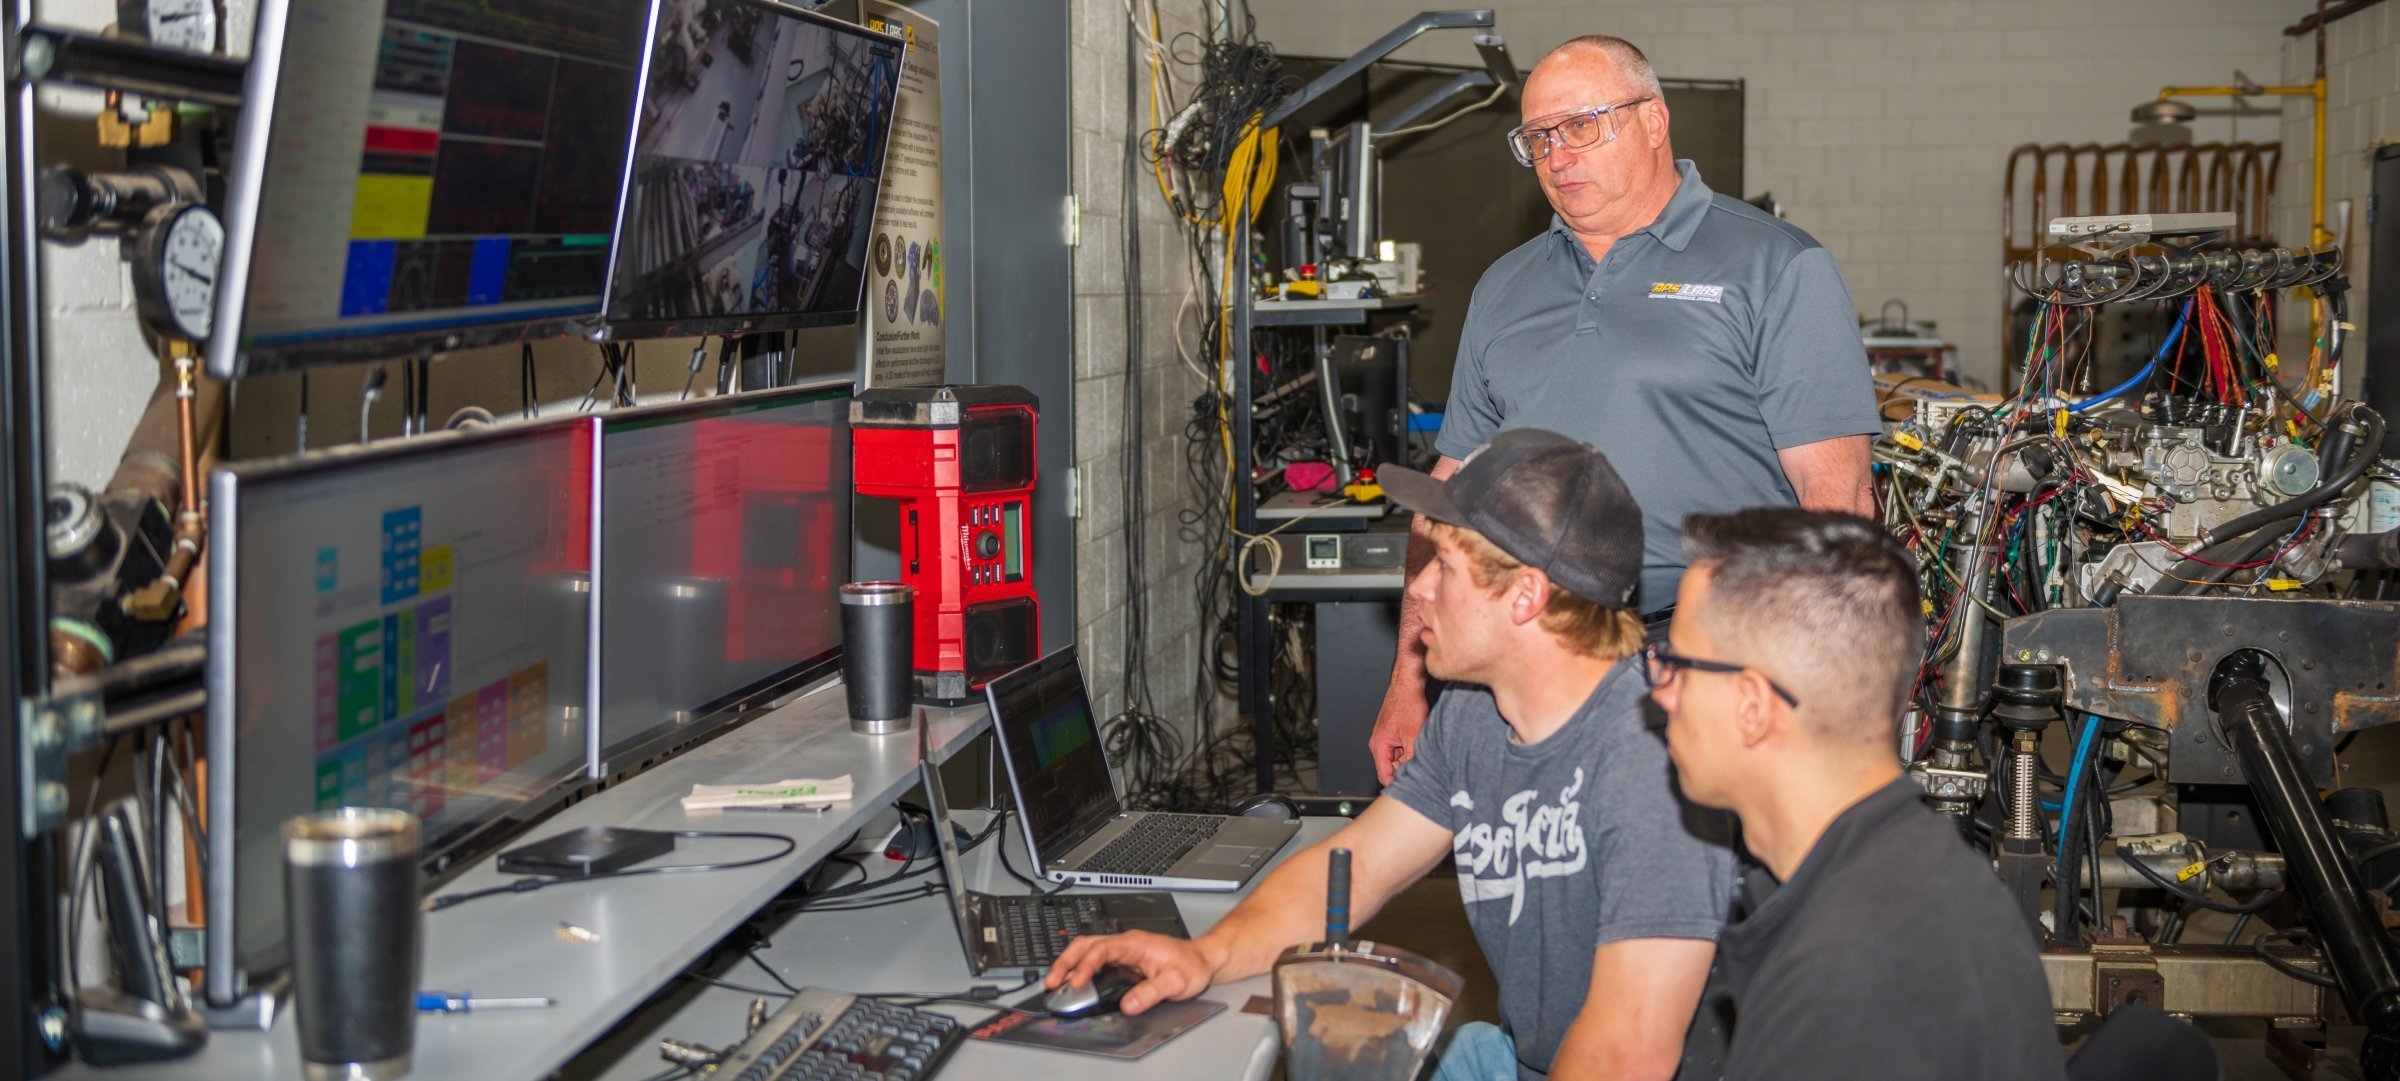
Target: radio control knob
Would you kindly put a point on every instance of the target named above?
(987, 545)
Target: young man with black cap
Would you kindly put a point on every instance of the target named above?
(1595, 902)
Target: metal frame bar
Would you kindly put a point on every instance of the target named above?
(25, 953)
(63, 56)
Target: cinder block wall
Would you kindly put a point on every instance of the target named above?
(1883, 126)
(1103, 359)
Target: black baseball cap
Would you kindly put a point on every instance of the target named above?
(1550, 502)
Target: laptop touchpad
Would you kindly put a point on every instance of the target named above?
(1230, 855)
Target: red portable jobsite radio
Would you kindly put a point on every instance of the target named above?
(960, 460)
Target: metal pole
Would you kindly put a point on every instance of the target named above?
(26, 955)
(1251, 625)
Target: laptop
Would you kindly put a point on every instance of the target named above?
(1076, 829)
(1002, 931)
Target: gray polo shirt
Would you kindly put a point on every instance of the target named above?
(1699, 347)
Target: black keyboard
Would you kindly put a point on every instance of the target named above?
(1035, 930)
(1154, 844)
(825, 1035)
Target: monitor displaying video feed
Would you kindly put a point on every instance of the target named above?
(724, 542)
(418, 176)
(757, 158)
(404, 627)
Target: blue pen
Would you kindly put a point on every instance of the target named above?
(466, 1002)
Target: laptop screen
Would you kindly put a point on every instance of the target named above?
(1054, 752)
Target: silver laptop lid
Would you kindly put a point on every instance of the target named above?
(945, 844)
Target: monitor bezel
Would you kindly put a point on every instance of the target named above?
(610, 328)
(245, 181)
(613, 760)
(228, 977)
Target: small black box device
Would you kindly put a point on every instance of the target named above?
(592, 850)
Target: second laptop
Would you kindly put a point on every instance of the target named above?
(1074, 824)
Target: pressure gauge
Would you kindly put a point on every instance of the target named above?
(175, 269)
(189, 25)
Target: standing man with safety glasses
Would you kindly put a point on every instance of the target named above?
(1707, 348)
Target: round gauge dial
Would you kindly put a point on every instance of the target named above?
(189, 25)
(176, 271)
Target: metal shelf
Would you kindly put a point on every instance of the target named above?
(1325, 313)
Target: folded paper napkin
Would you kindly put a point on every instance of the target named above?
(806, 791)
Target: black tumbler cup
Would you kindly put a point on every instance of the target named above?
(350, 909)
(877, 658)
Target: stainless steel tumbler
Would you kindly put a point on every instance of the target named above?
(878, 633)
(350, 884)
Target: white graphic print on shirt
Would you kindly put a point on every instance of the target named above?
(1495, 860)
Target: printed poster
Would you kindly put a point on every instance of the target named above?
(905, 344)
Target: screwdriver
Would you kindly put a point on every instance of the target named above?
(466, 1002)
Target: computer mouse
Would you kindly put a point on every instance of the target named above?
(1102, 995)
(1269, 805)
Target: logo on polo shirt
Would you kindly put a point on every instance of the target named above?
(1712, 294)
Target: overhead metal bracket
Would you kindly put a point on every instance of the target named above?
(1477, 19)
(1461, 83)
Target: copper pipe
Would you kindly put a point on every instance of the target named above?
(195, 911)
(191, 454)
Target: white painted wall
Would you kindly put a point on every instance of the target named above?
(1883, 125)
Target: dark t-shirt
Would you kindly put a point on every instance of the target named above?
(1564, 846)
(1892, 953)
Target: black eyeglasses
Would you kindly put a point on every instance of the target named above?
(1661, 665)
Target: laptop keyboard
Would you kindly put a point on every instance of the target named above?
(1154, 844)
(1035, 930)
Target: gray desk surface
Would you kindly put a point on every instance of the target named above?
(914, 946)
(650, 927)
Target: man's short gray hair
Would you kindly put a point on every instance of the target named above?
(1628, 59)
(1823, 600)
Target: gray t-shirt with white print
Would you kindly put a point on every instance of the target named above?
(1565, 845)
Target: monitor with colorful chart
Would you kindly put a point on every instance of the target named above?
(419, 176)
(406, 626)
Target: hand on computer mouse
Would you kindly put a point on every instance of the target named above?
(1105, 994)
(1168, 968)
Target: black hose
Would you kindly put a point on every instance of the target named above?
(2262, 547)
(2338, 446)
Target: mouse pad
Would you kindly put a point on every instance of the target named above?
(1111, 1034)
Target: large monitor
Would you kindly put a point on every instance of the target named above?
(413, 176)
(757, 159)
(724, 543)
(406, 626)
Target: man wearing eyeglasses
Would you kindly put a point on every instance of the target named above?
(1881, 946)
(1708, 349)
(1594, 892)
